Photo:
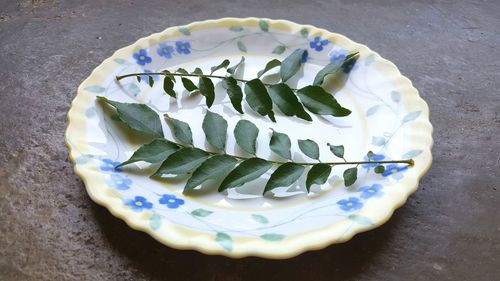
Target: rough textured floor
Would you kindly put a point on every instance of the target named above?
(448, 230)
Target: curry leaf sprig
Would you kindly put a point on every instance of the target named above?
(261, 96)
(180, 157)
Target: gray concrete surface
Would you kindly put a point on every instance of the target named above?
(448, 230)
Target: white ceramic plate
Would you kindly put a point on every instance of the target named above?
(388, 118)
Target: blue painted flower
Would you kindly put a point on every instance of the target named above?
(183, 47)
(375, 190)
(395, 171)
(338, 55)
(171, 201)
(142, 57)
(165, 51)
(350, 204)
(138, 204)
(145, 78)
(109, 165)
(119, 182)
(318, 44)
(305, 56)
(376, 157)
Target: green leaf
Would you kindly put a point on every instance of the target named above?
(271, 116)
(241, 46)
(215, 167)
(234, 92)
(270, 65)
(318, 101)
(151, 81)
(337, 150)
(168, 87)
(370, 154)
(224, 64)
(372, 110)
(225, 241)
(246, 134)
(280, 49)
(318, 174)
(412, 154)
(309, 148)
(360, 219)
(138, 117)
(215, 129)
(379, 169)
(285, 175)
(291, 65)
(395, 96)
(287, 101)
(411, 116)
(155, 222)
(185, 31)
(181, 162)
(207, 89)
(272, 237)
(197, 71)
(233, 68)
(188, 84)
(333, 68)
(95, 89)
(350, 176)
(264, 26)
(139, 79)
(304, 32)
(280, 144)
(181, 70)
(236, 28)
(260, 219)
(181, 130)
(201, 213)
(378, 141)
(246, 171)
(257, 97)
(154, 152)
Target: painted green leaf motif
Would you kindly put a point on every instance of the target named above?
(241, 46)
(280, 144)
(333, 68)
(201, 213)
(350, 176)
(233, 68)
(246, 171)
(412, 154)
(155, 222)
(291, 65)
(318, 101)
(260, 219)
(257, 97)
(362, 220)
(236, 28)
(181, 70)
(168, 86)
(225, 241)
(246, 134)
(185, 31)
(224, 64)
(272, 237)
(197, 71)
(411, 116)
(215, 129)
(188, 84)
(379, 169)
(181, 162)
(215, 167)
(280, 49)
(234, 92)
(138, 117)
(151, 81)
(318, 174)
(372, 110)
(139, 79)
(264, 26)
(337, 150)
(120, 61)
(270, 65)
(395, 96)
(285, 175)
(207, 89)
(309, 148)
(378, 141)
(181, 130)
(304, 32)
(287, 101)
(95, 89)
(154, 152)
